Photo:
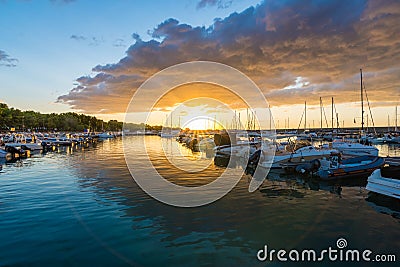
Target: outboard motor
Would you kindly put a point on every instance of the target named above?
(308, 167)
(253, 162)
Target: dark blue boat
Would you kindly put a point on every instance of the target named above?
(335, 168)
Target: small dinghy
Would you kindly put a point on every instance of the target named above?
(335, 168)
(385, 186)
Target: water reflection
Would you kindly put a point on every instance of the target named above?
(384, 204)
(287, 212)
(240, 220)
(392, 150)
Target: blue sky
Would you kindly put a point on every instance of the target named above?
(58, 56)
(38, 34)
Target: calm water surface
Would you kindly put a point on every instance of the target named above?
(80, 207)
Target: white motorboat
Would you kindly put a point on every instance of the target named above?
(298, 152)
(243, 145)
(32, 146)
(392, 139)
(105, 135)
(206, 144)
(382, 185)
(242, 149)
(348, 149)
(169, 134)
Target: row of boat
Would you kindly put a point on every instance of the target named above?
(339, 159)
(391, 137)
(17, 145)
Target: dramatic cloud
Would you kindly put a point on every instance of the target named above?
(293, 51)
(6, 60)
(218, 3)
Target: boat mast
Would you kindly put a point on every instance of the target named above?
(362, 103)
(270, 117)
(332, 117)
(396, 120)
(337, 122)
(320, 109)
(305, 115)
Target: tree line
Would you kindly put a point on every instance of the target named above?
(17, 120)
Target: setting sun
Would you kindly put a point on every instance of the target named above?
(202, 124)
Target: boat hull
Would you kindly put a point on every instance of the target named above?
(355, 149)
(350, 169)
(300, 157)
(382, 185)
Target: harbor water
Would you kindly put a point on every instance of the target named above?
(81, 207)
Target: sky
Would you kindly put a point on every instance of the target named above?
(91, 57)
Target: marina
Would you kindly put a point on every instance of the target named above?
(339, 159)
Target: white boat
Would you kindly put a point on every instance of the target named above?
(392, 139)
(33, 146)
(348, 149)
(105, 135)
(169, 134)
(382, 185)
(298, 152)
(377, 140)
(307, 135)
(243, 146)
(206, 144)
(242, 149)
